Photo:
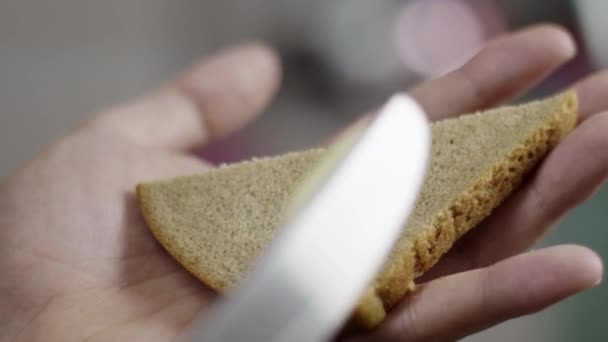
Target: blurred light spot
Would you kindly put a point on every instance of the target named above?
(433, 37)
(355, 38)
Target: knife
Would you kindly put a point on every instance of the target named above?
(338, 231)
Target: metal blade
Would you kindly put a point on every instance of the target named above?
(342, 226)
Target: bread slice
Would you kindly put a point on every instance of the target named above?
(216, 223)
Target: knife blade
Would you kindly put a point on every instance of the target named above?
(339, 229)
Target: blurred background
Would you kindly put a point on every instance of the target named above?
(61, 60)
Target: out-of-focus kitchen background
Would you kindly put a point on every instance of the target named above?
(61, 60)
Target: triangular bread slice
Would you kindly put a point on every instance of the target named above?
(216, 223)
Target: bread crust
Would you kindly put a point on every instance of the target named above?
(465, 212)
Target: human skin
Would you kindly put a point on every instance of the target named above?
(78, 263)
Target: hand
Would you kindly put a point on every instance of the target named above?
(78, 263)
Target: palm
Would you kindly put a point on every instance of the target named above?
(101, 255)
(82, 265)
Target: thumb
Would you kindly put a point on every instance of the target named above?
(213, 99)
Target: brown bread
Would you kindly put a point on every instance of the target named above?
(216, 223)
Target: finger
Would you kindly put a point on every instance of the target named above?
(569, 175)
(212, 100)
(503, 69)
(453, 307)
(592, 94)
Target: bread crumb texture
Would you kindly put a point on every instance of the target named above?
(217, 223)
